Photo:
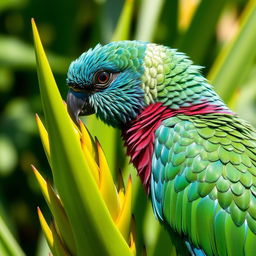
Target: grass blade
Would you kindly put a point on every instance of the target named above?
(8, 242)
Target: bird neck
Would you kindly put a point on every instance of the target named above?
(171, 78)
(172, 86)
(139, 134)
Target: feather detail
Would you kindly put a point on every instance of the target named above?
(139, 135)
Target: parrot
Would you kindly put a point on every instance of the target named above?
(195, 157)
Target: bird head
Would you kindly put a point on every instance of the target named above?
(107, 81)
(118, 80)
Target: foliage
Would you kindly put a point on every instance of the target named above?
(88, 209)
(223, 32)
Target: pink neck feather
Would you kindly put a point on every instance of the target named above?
(139, 135)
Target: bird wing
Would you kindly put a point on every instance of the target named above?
(203, 181)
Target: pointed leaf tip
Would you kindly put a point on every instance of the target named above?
(34, 28)
(42, 184)
(130, 179)
(57, 210)
(33, 23)
(46, 229)
(120, 181)
(44, 137)
(88, 140)
(107, 186)
(124, 218)
(61, 219)
(133, 227)
(133, 236)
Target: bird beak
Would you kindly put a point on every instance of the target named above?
(78, 105)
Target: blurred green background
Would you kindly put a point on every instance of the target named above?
(219, 35)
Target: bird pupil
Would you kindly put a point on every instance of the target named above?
(103, 77)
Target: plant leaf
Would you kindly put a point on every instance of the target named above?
(147, 19)
(123, 220)
(11, 248)
(16, 54)
(88, 215)
(44, 138)
(46, 230)
(122, 30)
(57, 211)
(196, 40)
(228, 69)
(107, 186)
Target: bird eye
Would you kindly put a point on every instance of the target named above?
(102, 77)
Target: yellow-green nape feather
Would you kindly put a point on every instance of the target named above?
(155, 67)
(171, 78)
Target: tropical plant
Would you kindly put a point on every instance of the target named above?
(219, 35)
(87, 209)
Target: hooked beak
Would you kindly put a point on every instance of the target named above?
(78, 105)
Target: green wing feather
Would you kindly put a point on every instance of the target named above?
(203, 182)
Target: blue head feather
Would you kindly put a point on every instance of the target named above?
(121, 101)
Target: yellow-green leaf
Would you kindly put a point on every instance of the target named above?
(91, 222)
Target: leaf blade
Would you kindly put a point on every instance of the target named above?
(236, 56)
(75, 187)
